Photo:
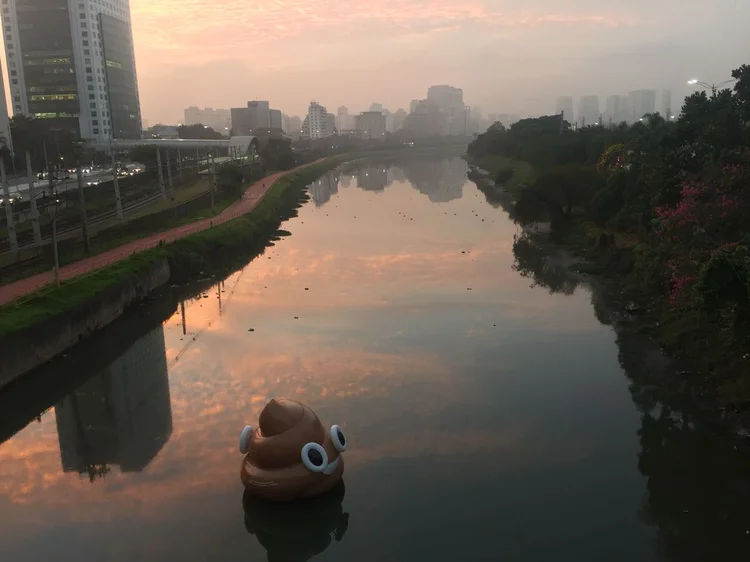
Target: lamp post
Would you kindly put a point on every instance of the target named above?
(51, 206)
(707, 86)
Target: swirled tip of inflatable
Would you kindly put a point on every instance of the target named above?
(247, 432)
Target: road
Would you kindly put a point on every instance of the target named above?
(250, 199)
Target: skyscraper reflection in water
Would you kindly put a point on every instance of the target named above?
(440, 179)
(122, 416)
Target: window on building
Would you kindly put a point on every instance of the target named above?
(93, 114)
(96, 131)
(83, 16)
(14, 81)
(86, 52)
(92, 96)
(90, 78)
(91, 87)
(17, 98)
(95, 122)
(13, 73)
(84, 33)
(7, 28)
(92, 104)
(85, 43)
(88, 61)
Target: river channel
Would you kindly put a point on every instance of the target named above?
(492, 411)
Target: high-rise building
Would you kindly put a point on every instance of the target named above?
(616, 110)
(564, 105)
(5, 139)
(260, 114)
(73, 62)
(275, 118)
(371, 125)
(642, 102)
(377, 107)
(218, 119)
(666, 104)
(319, 124)
(292, 126)
(588, 111)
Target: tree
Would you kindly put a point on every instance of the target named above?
(198, 132)
(276, 154)
(63, 145)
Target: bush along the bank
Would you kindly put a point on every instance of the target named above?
(661, 205)
(220, 247)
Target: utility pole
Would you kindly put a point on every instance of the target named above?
(118, 201)
(82, 203)
(46, 161)
(213, 184)
(197, 160)
(179, 164)
(32, 202)
(52, 214)
(161, 174)
(8, 210)
(169, 172)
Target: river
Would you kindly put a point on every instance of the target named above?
(491, 409)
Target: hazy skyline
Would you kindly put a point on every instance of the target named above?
(507, 56)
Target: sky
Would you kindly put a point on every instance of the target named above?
(507, 56)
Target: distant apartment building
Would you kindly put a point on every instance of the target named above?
(450, 100)
(588, 111)
(256, 119)
(398, 119)
(617, 110)
(218, 119)
(564, 105)
(344, 121)
(667, 111)
(5, 139)
(319, 124)
(72, 62)
(413, 105)
(292, 126)
(426, 120)
(371, 125)
(642, 102)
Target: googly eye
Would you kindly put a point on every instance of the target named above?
(337, 436)
(245, 439)
(314, 457)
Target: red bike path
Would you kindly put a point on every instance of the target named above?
(250, 199)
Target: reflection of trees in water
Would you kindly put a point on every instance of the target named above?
(441, 180)
(532, 262)
(697, 481)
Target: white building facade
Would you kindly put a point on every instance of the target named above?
(73, 61)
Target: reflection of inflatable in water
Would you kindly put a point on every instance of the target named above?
(291, 455)
(298, 530)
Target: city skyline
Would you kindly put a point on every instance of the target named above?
(178, 67)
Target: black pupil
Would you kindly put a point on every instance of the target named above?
(315, 457)
(340, 435)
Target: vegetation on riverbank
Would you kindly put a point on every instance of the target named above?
(660, 206)
(219, 247)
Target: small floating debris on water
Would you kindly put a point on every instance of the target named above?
(296, 317)
(251, 329)
(307, 288)
(463, 251)
(468, 288)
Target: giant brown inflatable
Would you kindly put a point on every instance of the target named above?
(291, 454)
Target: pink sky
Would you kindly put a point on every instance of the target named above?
(508, 56)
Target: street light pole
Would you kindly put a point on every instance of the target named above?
(712, 87)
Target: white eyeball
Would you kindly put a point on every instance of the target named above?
(337, 436)
(245, 436)
(314, 457)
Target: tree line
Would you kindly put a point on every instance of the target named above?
(669, 201)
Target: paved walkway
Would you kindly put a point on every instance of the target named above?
(250, 199)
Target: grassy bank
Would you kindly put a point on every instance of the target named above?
(219, 247)
(521, 174)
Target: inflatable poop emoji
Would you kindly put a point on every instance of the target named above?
(291, 455)
(299, 530)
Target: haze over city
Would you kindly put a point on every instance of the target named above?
(507, 56)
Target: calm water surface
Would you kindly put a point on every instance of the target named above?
(491, 415)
